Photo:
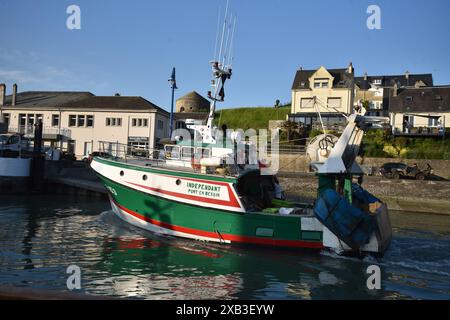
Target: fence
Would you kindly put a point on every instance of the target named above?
(28, 131)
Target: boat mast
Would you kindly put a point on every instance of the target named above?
(222, 70)
(222, 64)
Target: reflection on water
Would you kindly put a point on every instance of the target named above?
(41, 236)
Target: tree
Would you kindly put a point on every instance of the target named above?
(277, 103)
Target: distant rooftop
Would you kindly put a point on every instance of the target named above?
(82, 100)
(45, 99)
(114, 102)
(425, 99)
(388, 81)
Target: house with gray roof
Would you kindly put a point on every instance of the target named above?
(372, 91)
(328, 91)
(79, 121)
(419, 111)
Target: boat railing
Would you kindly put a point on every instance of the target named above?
(126, 153)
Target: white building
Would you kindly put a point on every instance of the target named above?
(77, 121)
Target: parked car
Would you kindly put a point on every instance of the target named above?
(88, 157)
(397, 170)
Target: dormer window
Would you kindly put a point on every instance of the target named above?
(320, 83)
(409, 98)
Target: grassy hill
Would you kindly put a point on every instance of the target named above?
(245, 118)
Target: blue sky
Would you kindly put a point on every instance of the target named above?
(131, 46)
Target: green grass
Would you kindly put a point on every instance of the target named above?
(246, 118)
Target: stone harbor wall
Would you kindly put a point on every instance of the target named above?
(405, 194)
(300, 163)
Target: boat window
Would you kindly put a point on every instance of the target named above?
(204, 152)
(186, 153)
(172, 152)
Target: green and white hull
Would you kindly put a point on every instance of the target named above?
(198, 206)
(208, 207)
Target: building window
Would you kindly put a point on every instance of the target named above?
(6, 118)
(30, 119)
(306, 103)
(89, 121)
(334, 103)
(22, 119)
(81, 120)
(160, 125)
(137, 122)
(113, 122)
(438, 98)
(72, 120)
(377, 81)
(433, 122)
(136, 143)
(320, 83)
(55, 120)
(409, 98)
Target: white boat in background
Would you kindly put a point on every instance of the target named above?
(15, 168)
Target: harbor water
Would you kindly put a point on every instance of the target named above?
(41, 236)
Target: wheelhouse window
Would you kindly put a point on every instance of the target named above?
(204, 152)
(172, 152)
(186, 153)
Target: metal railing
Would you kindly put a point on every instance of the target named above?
(28, 131)
(125, 152)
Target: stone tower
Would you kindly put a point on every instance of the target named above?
(192, 103)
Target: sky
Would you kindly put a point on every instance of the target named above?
(129, 47)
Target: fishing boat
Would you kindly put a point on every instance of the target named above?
(209, 188)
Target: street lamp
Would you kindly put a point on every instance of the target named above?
(173, 86)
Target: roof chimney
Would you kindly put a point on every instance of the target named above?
(14, 95)
(2, 94)
(350, 68)
(407, 74)
(395, 90)
(365, 76)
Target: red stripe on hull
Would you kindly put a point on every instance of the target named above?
(229, 237)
